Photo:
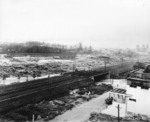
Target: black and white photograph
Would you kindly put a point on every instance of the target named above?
(74, 60)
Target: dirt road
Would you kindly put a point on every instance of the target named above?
(82, 112)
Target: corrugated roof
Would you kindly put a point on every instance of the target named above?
(118, 90)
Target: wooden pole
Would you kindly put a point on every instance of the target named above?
(27, 73)
(33, 118)
(105, 65)
(126, 104)
(118, 113)
(48, 80)
(122, 61)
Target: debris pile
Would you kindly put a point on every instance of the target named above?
(49, 109)
(99, 117)
(46, 110)
(136, 117)
(100, 89)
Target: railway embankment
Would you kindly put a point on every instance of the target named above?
(20, 94)
(49, 109)
(42, 92)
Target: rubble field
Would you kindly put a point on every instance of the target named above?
(26, 68)
(49, 109)
(99, 117)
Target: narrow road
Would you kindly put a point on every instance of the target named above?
(82, 112)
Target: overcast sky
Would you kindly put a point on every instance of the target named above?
(100, 23)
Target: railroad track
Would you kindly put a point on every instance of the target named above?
(37, 86)
(21, 87)
(16, 95)
(21, 93)
(32, 84)
(44, 87)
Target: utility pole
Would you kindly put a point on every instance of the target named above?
(105, 65)
(49, 80)
(27, 72)
(118, 108)
(118, 112)
(122, 61)
(4, 78)
(19, 77)
(33, 118)
(126, 104)
(106, 60)
(74, 67)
